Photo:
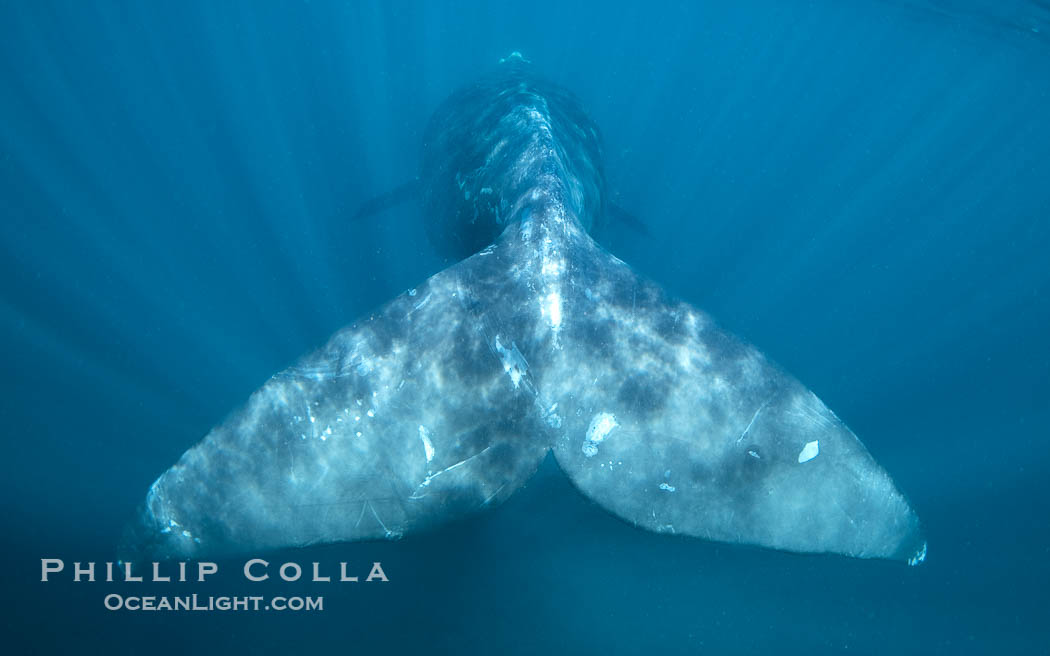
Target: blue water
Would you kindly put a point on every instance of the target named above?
(860, 189)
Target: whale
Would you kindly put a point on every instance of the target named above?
(536, 342)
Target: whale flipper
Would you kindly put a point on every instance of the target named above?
(402, 420)
(677, 426)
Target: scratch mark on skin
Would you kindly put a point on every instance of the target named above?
(752, 422)
(493, 495)
(430, 477)
(813, 415)
(376, 515)
(362, 515)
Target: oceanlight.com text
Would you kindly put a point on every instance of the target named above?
(195, 602)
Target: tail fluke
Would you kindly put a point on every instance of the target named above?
(678, 427)
(401, 421)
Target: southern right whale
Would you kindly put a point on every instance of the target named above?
(445, 400)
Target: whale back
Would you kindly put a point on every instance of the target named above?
(508, 142)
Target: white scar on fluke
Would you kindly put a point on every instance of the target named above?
(444, 401)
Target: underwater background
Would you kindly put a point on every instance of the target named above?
(861, 189)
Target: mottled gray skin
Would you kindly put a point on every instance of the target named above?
(445, 400)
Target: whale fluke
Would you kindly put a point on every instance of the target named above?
(444, 401)
(677, 426)
(401, 420)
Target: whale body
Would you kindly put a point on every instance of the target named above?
(444, 401)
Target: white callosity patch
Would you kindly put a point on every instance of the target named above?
(919, 556)
(809, 451)
(667, 487)
(428, 446)
(553, 420)
(602, 424)
(554, 310)
(513, 361)
(552, 267)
